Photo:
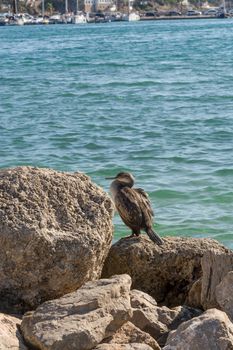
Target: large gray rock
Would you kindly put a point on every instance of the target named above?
(165, 272)
(210, 331)
(146, 314)
(224, 294)
(10, 337)
(82, 319)
(157, 321)
(55, 232)
(215, 265)
(129, 334)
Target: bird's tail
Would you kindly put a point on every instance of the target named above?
(154, 236)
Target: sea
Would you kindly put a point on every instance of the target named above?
(154, 98)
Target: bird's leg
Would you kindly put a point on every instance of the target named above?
(130, 236)
(135, 233)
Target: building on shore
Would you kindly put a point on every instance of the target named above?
(98, 5)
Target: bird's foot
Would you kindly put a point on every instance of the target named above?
(131, 236)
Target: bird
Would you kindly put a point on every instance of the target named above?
(133, 206)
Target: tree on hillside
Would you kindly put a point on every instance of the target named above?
(50, 8)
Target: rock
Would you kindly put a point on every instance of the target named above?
(210, 331)
(145, 314)
(129, 334)
(157, 321)
(172, 318)
(224, 294)
(215, 265)
(55, 232)
(82, 319)
(10, 337)
(165, 272)
(141, 300)
(194, 295)
(177, 315)
(132, 346)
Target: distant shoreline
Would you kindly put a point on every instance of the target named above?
(177, 17)
(146, 18)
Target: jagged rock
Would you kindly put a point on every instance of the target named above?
(155, 320)
(165, 272)
(55, 232)
(210, 331)
(177, 315)
(82, 319)
(129, 334)
(215, 265)
(145, 314)
(10, 337)
(224, 294)
(141, 300)
(194, 295)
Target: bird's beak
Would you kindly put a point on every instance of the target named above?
(110, 178)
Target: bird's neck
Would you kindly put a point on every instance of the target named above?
(116, 186)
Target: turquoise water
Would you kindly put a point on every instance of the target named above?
(153, 98)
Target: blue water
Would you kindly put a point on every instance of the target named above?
(154, 98)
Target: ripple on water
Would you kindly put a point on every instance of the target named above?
(142, 97)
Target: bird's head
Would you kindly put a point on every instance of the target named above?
(123, 178)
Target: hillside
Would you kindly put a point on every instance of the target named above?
(53, 6)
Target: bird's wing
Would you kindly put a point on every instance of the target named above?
(128, 207)
(146, 199)
(145, 206)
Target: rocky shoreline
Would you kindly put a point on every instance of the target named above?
(64, 287)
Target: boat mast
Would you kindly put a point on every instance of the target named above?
(77, 7)
(15, 7)
(224, 7)
(42, 8)
(66, 7)
(129, 7)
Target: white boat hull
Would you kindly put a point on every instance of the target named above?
(16, 22)
(79, 19)
(131, 17)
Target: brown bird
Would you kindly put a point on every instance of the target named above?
(133, 206)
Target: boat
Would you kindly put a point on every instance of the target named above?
(133, 16)
(15, 20)
(56, 19)
(116, 16)
(80, 17)
(130, 16)
(102, 18)
(222, 11)
(3, 19)
(41, 20)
